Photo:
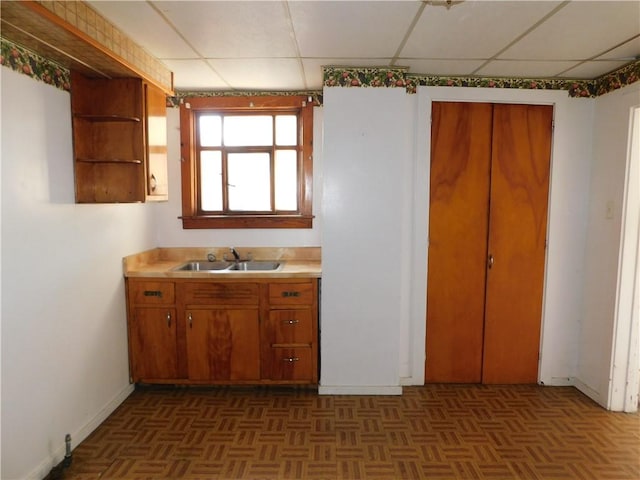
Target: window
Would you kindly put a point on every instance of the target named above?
(246, 162)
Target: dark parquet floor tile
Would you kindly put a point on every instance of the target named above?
(434, 432)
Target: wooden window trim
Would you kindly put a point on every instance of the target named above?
(191, 219)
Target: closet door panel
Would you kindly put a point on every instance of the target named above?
(521, 150)
(458, 215)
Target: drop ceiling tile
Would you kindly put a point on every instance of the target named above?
(526, 69)
(441, 67)
(471, 29)
(628, 51)
(591, 70)
(229, 29)
(260, 73)
(351, 29)
(153, 34)
(313, 67)
(195, 75)
(580, 30)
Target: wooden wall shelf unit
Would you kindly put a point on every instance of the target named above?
(119, 140)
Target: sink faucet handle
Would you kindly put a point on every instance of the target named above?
(211, 257)
(236, 255)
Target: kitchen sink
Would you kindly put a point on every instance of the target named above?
(220, 266)
(202, 266)
(254, 265)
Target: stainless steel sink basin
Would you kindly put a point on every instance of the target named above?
(220, 266)
(202, 266)
(254, 265)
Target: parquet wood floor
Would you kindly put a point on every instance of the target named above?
(433, 432)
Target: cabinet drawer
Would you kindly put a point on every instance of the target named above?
(289, 364)
(289, 326)
(291, 293)
(221, 293)
(151, 293)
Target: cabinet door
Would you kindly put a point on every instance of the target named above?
(156, 136)
(289, 364)
(152, 340)
(288, 327)
(150, 292)
(299, 293)
(287, 343)
(223, 344)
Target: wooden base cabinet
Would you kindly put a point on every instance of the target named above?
(223, 332)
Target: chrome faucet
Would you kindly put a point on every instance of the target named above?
(236, 255)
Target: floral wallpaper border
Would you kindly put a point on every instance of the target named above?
(618, 78)
(29, 63)
(399, 77)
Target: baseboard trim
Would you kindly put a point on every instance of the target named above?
(43, 469)
(557, 381)
(360, 390)
(590, 392)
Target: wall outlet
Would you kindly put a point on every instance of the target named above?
(609, 210)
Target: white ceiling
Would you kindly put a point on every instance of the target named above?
(282, 45)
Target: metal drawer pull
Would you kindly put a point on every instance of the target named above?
(152, 293)
(291, 294)
(190, 321)
(291, 359)
(168, 319)
(291, 322)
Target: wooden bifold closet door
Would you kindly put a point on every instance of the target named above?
(487, 231)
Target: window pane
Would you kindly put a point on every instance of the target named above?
(249, 181)
(210, 129)
(286, 172)
(211, 181)
(254, 130)
(286, 130)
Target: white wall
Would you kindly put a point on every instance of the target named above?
(368, 152)
(376, 174)
(64, 343)
(597, 370)
(169, 226)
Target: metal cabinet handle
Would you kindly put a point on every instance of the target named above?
(168, 319)
(291, 359)
(490, 262)
(291, 322)
(190, 318)
(291, 293)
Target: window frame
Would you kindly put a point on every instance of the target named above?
(191, 107)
